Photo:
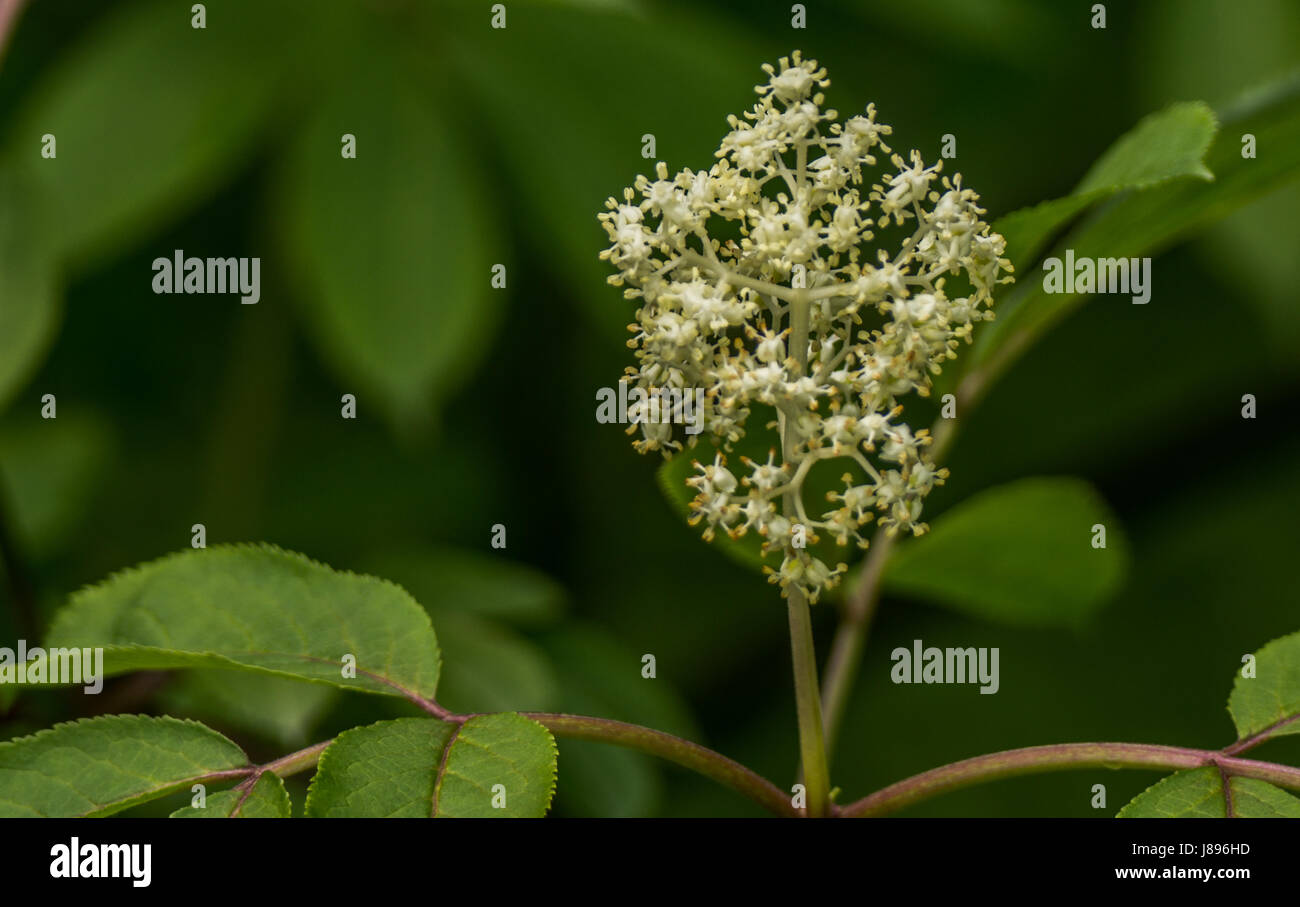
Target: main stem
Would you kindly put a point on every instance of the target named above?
(812, 744)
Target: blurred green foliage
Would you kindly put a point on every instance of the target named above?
(476, 405)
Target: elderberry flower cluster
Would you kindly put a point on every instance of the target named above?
(754, 284)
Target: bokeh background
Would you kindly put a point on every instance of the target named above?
(476, 405)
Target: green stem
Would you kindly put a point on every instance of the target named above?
(737, 280)
(812, 745)
(1059, 757)
(674, 749)
(285, 766)
(692, 756)
(300, 761)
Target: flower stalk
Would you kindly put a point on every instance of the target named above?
(800, 316)
(812, 745)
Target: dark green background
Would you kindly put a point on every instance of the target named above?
(182, 409)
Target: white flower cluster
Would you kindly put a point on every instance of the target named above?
(754, 285)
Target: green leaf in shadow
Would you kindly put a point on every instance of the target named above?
(1020, 553)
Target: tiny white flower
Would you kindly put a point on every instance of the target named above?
(790, 189)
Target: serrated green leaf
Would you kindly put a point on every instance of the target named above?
(1142, 223)
(383, 770)
(1020, 553)
(1198, 794)
(1255, 799)
(149, 114)
(1167, 145)
(267, 800)
(392, 250)
(498, 759)
(259, 608)
(422, 767)
(100, 766)
(1194, 794)
(1163, 146)
(1269, 702)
